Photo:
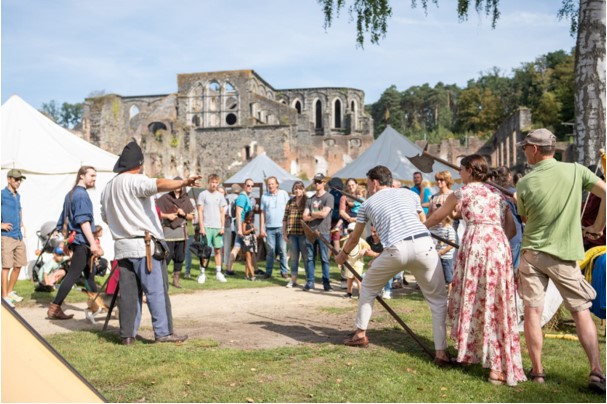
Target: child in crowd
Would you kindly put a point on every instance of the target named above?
(361, 193)
(445, 251)
(249, 240)
(51, 272)
(356, 260)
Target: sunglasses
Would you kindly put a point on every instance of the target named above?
(18, 179)
(318, 181)
(249, 185)
(440, 179)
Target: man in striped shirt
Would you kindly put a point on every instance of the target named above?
(395, 213)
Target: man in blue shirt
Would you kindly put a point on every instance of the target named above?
(13, 247)
(273, 204)
(423, 192)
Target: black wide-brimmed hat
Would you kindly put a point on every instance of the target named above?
(131, 157)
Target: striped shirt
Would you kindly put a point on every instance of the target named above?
(394, 213)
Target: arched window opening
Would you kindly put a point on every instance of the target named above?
(154, 127)
(318, 109)
(353, 107)
(337, 114)
(196, 121)
(247, 152)
(229, 88)
(298, 106)
(214, 86)
(134, 110)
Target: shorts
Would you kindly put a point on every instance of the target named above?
(13, 253)
(335, 235)
(537, 267)
(447, 269)
(214, 239)
(238, 242)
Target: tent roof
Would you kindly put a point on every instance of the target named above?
(391, 149)
(24, 130)
(262, 167)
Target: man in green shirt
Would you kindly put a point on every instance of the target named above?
(549, 200)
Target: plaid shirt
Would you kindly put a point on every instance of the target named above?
(293, 217)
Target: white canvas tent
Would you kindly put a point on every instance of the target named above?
(49, 156)
(391, 149)
(262, 167)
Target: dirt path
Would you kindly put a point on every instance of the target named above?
(241, 318)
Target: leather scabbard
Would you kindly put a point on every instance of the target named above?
(148, 250)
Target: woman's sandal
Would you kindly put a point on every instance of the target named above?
(597, 385)
(498, 381)
(539, 378)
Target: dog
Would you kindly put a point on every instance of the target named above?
(97, 304)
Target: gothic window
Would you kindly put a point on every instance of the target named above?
(353, 113)
(298, 106)
(337, 113)
(229, 88)
(318, 114)
(134, 110)
(214, 86)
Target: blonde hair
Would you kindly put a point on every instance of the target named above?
(445, 175)
(362, 191)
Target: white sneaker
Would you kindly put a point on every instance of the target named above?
(15, 297)
(290, 284)
(344, 284)
(202, 278)
(220, 277)
(386, 295)
(9, 301)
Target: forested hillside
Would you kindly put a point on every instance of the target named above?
(545, 86)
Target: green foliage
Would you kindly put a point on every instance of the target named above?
(66, 115)
(174, 141)
(545, 86)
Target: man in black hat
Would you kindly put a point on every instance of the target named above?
(127, 206)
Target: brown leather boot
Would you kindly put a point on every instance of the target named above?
(55, 313)
(176, 280)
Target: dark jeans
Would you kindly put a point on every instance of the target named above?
(81, 258)
(447, 269)
(176, 253)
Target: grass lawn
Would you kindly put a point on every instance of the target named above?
(393, 369)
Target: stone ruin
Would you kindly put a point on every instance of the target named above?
(216, 122)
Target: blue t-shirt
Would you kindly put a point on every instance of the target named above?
(81, 210)
(245, 203)
(274, 207)
(11, 213)
(427, 196)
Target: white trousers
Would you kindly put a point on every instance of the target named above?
(420, 257)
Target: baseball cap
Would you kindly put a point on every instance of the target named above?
(319, 177)
(539, 137)
(59, 250)
(14, 173)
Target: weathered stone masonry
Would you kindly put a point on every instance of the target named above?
(217, 122)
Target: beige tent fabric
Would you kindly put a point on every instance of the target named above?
(33, 372)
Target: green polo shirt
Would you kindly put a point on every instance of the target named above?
(550, 197)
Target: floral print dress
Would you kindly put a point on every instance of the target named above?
(482, 309)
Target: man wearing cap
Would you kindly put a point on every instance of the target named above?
(127, 206)
(317, 215)
(549, 201)
(13, 247)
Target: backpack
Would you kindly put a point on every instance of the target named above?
(233, 209)
(336, 198)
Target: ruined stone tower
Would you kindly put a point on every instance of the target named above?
(217, 122)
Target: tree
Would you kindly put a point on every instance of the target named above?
(66, 115)
(587, 18)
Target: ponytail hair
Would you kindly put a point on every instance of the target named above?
(82, 171)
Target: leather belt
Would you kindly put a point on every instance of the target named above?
(416, 236)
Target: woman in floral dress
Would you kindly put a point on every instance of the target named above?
(482, 308)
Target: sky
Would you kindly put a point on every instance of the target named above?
(64, 50)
